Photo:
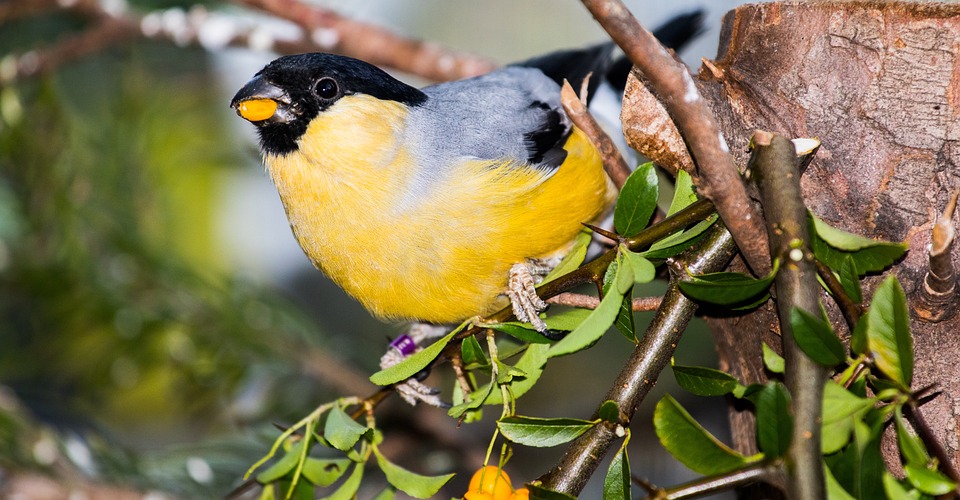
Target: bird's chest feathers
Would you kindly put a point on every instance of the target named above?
(340, 188)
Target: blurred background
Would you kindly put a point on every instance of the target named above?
(157, 314)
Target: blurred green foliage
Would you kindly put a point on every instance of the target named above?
(116, 311)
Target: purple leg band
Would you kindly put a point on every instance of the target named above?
(404, 344)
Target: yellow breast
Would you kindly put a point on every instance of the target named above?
(439, 252)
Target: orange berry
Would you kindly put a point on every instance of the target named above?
(478, 495)
(491, 480)
(521, 494)
(257, 110)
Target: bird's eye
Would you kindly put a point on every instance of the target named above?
(327, 88)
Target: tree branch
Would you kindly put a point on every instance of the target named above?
(716, 175)
(774, 163)
(375, 45)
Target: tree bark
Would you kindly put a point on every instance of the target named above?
(879, 84)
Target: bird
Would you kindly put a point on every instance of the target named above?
(437, 204)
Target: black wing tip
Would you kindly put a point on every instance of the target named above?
(681, 29)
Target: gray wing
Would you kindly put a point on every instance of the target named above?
(511, 113)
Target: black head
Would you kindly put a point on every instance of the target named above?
(285, 95)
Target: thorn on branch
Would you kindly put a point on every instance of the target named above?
(937, 297)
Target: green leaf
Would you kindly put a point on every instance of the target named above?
(567, 320)
(609, 412)
(412, 365)
(850, 279)
(472, 353)
(348, 489)
(679, 241)
(341, 431)
(773, 361)
(830, 245)
(477, 398)
(895, 490)
(859, 464)
(748, 392)
(281, 467)
(616, 484)
(303, 490)
(325, 471)
(888, 332)
(911, 447)
(542, 432)
(858, 337)
(540, 493)
(620, 273)
(506, 373)
(727, 288)
(704, 381)
(388, 493)
(816, 338)
(841, 410)
(523, 332)
(592, 328)
(532, 363)
(411, 483)
(637, 201)
(624, 322)
(691, 444)
(931, 482)
(564, 321)
(774, 421)
(574, 257)
(684, 193)
(643, 270)
(834, 490)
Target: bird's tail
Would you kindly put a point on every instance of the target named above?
(575, 64)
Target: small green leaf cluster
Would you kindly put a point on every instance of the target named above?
(870, 387)
(296, 474)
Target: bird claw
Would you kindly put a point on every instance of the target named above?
(413, 390)
(522, 292)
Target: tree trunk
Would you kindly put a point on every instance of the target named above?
(879, 84)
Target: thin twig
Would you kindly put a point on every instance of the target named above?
(640, 304)
(930, 439)
(762, 472)
(851, 310)
(717, 175)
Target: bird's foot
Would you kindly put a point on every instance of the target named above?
(413, 390)
(522, 292)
